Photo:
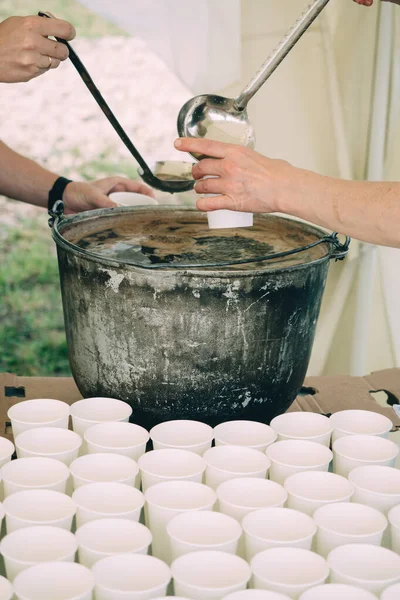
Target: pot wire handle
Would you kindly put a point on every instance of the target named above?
(56, 213)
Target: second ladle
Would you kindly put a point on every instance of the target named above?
(145, 172)
(225, 119)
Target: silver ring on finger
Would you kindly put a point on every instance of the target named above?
(50, 62)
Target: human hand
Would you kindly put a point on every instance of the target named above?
(26, 51)
(241, 178)
(80, 196)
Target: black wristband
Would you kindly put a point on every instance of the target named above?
(57, 191)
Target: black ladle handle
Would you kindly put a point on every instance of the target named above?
(88, 81)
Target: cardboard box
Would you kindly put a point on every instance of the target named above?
(324, 395)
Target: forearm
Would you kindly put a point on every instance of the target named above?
(368, 211)
(23, 179)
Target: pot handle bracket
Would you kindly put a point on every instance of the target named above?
(56, 213)
(339, 249)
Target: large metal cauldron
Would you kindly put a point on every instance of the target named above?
(211, 343)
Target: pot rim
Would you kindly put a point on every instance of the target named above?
(222, 272)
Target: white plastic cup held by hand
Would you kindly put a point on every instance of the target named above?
(166, 500)
(391, 593)
(50, 442)
(34, 473)
(38, 507)
(107, 500)
(118, 437)
(256, 595)
(133, 576)
(184, 435)
(229, 462)
(275, 527)
(54, 580)
(26, 547)
(6, 591)
(38, 413)
(369, 567)
(239, 497)
(364, 422)
(337, 591)
(106, 537)
(303, 426)
(209, 575)
(293, 456)
(245, 433)
(6, 451)
(310, 490)
(347, 523)
(290, 571)
(354, 451)
(90, 411)
(376, 486)
(203, 530)
(170, 464)
(394, 520)
(93, 468)
(229, 219)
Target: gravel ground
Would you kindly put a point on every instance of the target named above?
(54, 120)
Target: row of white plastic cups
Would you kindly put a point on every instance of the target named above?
(194, 435)
(206, 575)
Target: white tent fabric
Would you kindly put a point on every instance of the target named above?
(314, 112)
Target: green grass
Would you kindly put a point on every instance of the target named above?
(86, 23)
(32, 338)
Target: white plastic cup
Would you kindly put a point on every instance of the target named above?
(245, 433)
(50, 442)
(376, 486)
(391, 593)
(6, 590)
(90, 411)
(293, 456)
(26, 547)
(38, 507)
(369, 567)
(209, 575)
(230, 462)
(132, 199)
(394, 521)
(7, 449)
(133, 576)
(290, 571)
(276, 527)
(256, 595)
(184, 435)
(107, 500)
(166, 500)
(34, 473)
(239, 497)
(170, 464)
(38, 413)
(303, 426)
(364, 422)
(93, 468)
(337, 591)
(54, 580)
(123, 438)
(229, 219)
(310, 490)
(352, 451)
(203, 530)
(106, 537)
(348, 523)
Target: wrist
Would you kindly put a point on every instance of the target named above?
(58, 192)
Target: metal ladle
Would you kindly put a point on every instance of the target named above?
(145, 172)
(226, 119)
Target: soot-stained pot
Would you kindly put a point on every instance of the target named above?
(176, 340)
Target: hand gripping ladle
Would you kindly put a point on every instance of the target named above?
(226, 119)
(145, 172)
